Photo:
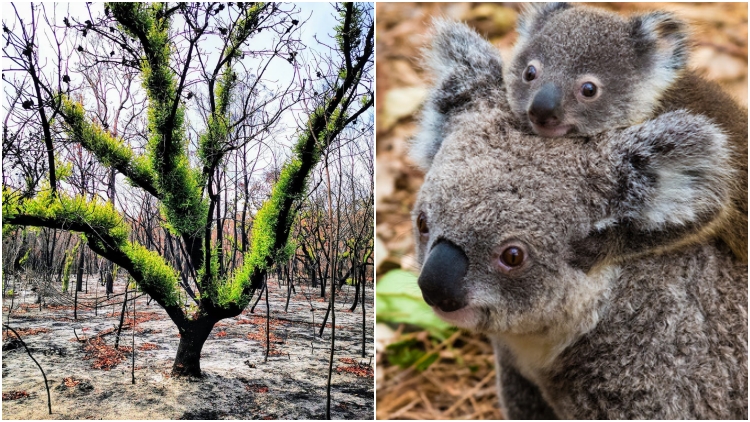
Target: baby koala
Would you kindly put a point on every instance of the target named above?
(579, 71)
(548, 248)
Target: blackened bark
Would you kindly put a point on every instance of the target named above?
(122, 317)
(263, 287)
(109, 267)
(288, 287)
(193, 335)
(79, 272)
(363, 282)
(325, 319)
(268, 326)
(313, 276)
(356, 295)
(109, 278)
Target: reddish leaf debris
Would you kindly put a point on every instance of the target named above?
(105, 357)
(71, 382)
(256, 388)
(261, 320)
(24, 332)
(148, 346)
(260, 335)
(15, 395)
(221, 334)
(360, 370)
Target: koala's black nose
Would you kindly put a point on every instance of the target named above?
(442, 276)
(545, 108)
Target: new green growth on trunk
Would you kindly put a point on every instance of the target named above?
(178, 184)
(159, 278)
(111, 152)
(265, 251)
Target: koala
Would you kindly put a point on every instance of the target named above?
(578, 71)
(549, 249)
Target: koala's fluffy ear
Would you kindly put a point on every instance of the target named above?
(672, 180)
(534, 16)
(465, 67)
(662, 40)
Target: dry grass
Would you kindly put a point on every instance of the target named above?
(460, 384)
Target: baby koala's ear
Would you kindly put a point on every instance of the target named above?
(466, 67)
(670, 180)
(663, 40)
(534, 16)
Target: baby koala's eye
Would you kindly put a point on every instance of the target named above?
(530, 73)
(513, 256)
(422, 225)
(588, 89)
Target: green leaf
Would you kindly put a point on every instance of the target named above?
(399, 300)
(406, 353)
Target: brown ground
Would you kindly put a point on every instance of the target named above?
(89, 379)
(460, 384)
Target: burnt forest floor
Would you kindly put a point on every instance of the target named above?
(89, 379)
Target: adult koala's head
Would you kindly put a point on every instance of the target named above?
(519, 234)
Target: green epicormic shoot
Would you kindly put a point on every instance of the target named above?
(104, 230)
(178, 184)
(110, 151)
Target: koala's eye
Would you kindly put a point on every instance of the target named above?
(513, 256)
(530, 73)
(422, 225)
(588, 89)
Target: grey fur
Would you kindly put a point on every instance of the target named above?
(620, 309)
(633, 61)
(639, 65)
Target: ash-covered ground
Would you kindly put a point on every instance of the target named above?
(89, 379)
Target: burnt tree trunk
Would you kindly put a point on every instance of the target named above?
(264, 286)
(289, 287)
(109, 277)
(363, 284)
(193, 335)
(356, 283)
(313, 277)
(79, 272)
(122, 317)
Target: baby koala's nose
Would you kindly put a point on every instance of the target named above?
(545, 108)
(441, 279)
